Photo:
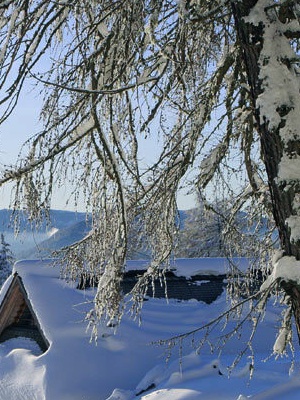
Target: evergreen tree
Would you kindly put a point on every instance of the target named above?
(202, 234)
(6, 260)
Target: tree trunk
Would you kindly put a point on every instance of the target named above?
(276, 147)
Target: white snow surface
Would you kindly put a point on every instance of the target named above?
(286, 268)
(123, 364)
(294, 224)
(188, 267)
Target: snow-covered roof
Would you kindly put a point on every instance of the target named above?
(17, 317)
(188, 267)
(73, 367)
(124, 364)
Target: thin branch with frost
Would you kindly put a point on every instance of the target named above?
(93, 91)
(254, 315)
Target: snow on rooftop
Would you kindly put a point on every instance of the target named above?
(123, 364)
(187, 267)
(75, 368)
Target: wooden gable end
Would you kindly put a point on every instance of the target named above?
(17, 317)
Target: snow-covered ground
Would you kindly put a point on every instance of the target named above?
(124, 365)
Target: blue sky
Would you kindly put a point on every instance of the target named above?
(23, 123)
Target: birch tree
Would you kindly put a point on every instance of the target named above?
(216, 83)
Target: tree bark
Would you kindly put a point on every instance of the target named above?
(283, 193)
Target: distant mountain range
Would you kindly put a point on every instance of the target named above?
(62, 229)
(58, 219)
(67, 227)
(58, 239)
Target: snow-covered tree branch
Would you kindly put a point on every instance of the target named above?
(216, 83)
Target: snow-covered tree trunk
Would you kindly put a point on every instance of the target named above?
(265, 32)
